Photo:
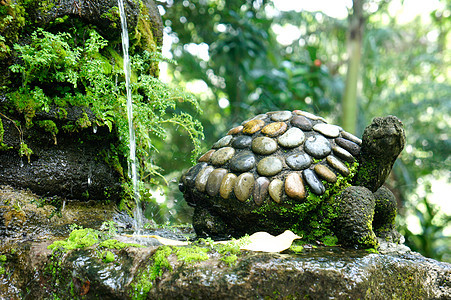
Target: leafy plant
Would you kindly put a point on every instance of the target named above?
(58, 70)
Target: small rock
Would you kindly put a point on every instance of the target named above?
(337, 165)
(227, 185)
(206, 157)
(325, 173)
(244, 186)
(222, 155)
(351, 137)
(253, 126)
(313, 181)
(274, 129)
(292, 138)
(269, 166)
(317, 146)
(309, 115)
(299, 161)
(343, 154)
(294, 187)
(243, 161)
(275, 190)
(214, 181)
(192, 173)
(327, 129)
(280, 116)
(235, 130)
(302, 123)
(351, 147)
(241, 142)
(264, 145)
(260, 190)
(224, 141)
(257, 117)
(202, 178)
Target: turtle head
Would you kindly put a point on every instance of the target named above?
(382, 142)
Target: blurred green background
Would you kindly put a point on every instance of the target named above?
(348, 61)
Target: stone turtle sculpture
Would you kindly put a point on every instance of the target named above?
(291, 170)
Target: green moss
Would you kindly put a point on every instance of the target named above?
(2, 258)
(108, 257)
(297, 248)
(115, 244)
(2, 270)
(78, 238)
(191, 254)
(158, 266)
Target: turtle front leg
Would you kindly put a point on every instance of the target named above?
(354, 223)
(384, 215)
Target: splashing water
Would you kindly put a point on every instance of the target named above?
(132, 142)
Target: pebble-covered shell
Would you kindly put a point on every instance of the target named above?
(273, 157)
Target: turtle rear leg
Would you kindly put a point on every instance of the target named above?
(384, 215)
(354, 223)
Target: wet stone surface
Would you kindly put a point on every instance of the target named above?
(293, 137)
(241, 142)
(264, 145)
(227, 185)
(317, 146)
(202, 178)
(325, 173)
(235, 130)
(275, 190)
(294, 186)
(299, 161)
(221, 156)
(302, 123)
(243, 161)
(281, 116)
(260, 190)
(343, 154)
(274, 129)
(348, 145)
(337, 165)
(192, 173)
(313, 182)
(214, 181)
(222, 142)
(207, 156)
(244, 186)
(328, 130)
(351, 137)
(253, 126)
(269, 166)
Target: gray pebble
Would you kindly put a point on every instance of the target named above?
(241, 142)
(317, 146)
(280, 116)
(299, 161)
(243, 161)
(260, 190)
(327, 129)
(222, 142)
(302, 123)
(314, 183)
(221, 156)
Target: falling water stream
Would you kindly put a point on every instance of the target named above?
(132, 142)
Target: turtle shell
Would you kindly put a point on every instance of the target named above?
(273, 156)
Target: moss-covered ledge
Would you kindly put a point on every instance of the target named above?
(161, 272)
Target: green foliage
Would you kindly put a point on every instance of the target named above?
(90, 74)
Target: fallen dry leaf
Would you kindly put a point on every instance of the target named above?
(265, 242)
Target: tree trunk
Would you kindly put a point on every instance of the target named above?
(349, 101)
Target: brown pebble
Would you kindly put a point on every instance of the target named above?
(214, 181)
(337, 165)
(294, 186)
(244, 186)
(302, 123)
(351, 147)
(206, 157)
(275, 190)
(253, 126)
(274, 129)
(260, 190)
(325, 173)
(235, 130)
(202, 178)
(227, 185)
